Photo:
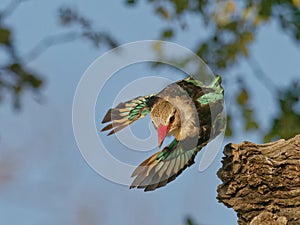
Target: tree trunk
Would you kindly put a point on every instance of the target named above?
(262, 182)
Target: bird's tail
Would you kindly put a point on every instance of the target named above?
(163, 167)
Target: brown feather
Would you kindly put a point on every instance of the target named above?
(108, 127)
(120, 115)
(107, 116)
(153, 173)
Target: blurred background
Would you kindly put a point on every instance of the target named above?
(45, 47)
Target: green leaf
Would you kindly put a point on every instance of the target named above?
(5, 35)
(163, 12)
(189, 221)
(243, 97)
(251, 125)
(167, 34)
(130, 2)
(25, 77)
(228, 131)
(286, 123)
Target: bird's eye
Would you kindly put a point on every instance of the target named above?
(172, 118)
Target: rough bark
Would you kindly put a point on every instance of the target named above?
(262, 182)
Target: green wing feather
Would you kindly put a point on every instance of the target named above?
(127, 112)
(214, 95)
(163, 166)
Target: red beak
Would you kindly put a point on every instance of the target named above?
(162, 133)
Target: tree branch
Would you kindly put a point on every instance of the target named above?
(262, 182)
(12, 6)
(262, 76)
(48, 42)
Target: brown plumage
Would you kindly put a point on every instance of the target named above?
(188, 110)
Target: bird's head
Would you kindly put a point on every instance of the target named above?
(166, 120)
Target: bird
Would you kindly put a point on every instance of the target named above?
(188, 110)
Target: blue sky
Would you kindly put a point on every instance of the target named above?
(50, 182)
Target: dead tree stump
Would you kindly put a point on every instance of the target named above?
(262, 182)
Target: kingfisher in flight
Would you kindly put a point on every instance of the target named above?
(189, 110)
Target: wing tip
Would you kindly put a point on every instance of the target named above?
(106, 128)
(107, 117)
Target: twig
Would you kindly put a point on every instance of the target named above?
(47, 42)
(12, 6)
(261, 76)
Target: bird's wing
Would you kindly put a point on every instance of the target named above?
(127, 112)
(209, 103)
(163, 166)
(199, 92)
